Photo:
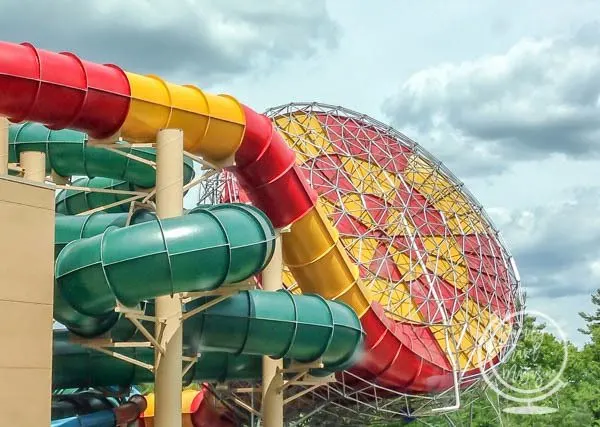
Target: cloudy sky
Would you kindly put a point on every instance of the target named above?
(505, 93)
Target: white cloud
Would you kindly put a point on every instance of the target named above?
(189, 39)
(538, 99)
(564, 311)
(556, 249)
(556, 245)
(595, 269)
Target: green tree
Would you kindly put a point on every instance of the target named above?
(536, 359)
(592, 319)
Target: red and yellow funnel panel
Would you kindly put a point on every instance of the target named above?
(438, 282)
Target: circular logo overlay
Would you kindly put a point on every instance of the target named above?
(529, 375)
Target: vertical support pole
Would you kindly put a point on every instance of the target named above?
(272, 376)
(3, 146)
(34, 165)
(169, 203)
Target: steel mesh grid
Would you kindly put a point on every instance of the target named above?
(490, 264)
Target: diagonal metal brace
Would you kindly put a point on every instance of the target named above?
(221, 295)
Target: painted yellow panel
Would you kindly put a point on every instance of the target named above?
(446, 259)
(305, 135)
(368, 178)
(398, 224)
(362, 250)
(485, 327)
(444, 195)
(474, 329)
(315, 133)
(411, 269)
(446, 246)
(397, 301)
(353, 204)
(423, 176)
(460, 349)
(327, 207)
(495, 326)
(472, 337)
(404, 306)
(290, 132)
(460, 215)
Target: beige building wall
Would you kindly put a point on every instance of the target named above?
(26, 297)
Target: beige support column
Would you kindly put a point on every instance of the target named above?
(169, 203)
(3, 146)
(272, 378)
(34, 165)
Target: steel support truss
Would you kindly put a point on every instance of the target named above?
(156, 340)
(295, 379)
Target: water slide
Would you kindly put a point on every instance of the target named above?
(62, 91)
(101, 260)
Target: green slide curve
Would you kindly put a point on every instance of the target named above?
(103, 260)
(74, 366)
(69, 154)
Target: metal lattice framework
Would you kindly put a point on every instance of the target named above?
(341, 403)
(425, 247)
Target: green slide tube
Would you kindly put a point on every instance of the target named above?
(307, 327)
(304, 328)
(199, 251)
(71, 228)
(74, 366)
(69, 154)
(72, 202)
(230, 338)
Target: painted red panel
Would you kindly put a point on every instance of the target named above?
(448, 298)
(419, 212)
(60, 90)
(384, 266)
(404, 244)
(378, 209)
(330, 170)
(363, 142)
(488, 298)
